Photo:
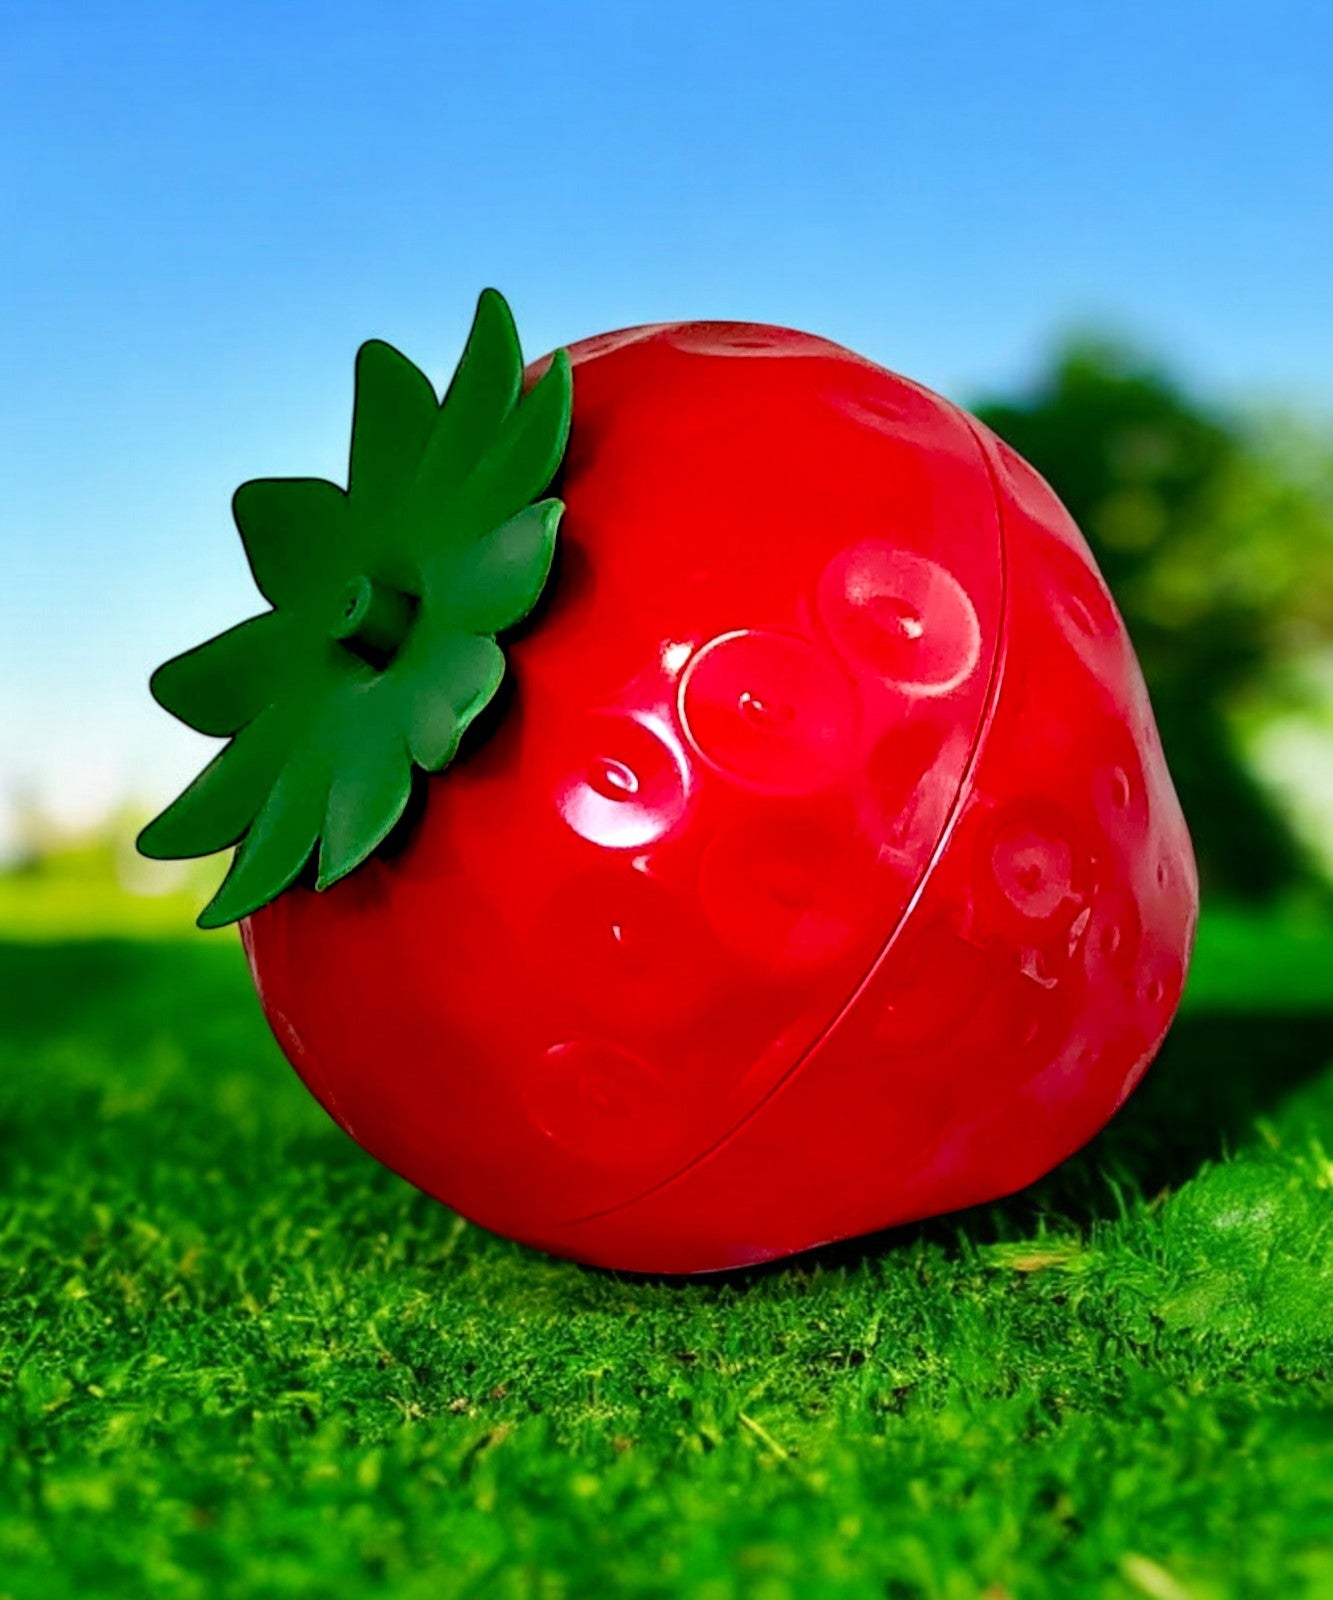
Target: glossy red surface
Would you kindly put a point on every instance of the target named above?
(824, 870)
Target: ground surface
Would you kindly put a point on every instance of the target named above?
(237, 1359)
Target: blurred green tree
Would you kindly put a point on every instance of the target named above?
(1216, 537)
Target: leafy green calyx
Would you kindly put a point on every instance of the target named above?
(386, 597)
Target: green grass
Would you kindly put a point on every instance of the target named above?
(237, 1359)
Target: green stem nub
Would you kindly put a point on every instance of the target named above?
(373, 619)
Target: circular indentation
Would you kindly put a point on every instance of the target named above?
(643, 953)
(1119, 789)
(1163, 874)
(789, 894)
(628, 783)
(1083, 606)
(885, 410)
(1066, 588)
(602, 344)
(771, 711)
(901, 616)
(601, 1104)
(742, 339)
(1160, 984)
(1034, 868)
(1114, 935)
(1078, 611)
(1031, 877)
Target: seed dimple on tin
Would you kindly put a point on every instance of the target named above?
(764, 713)
(613, 780)
(770, 710)
(1081, 614)
(629, 785)
(599, 1103)
(1033, 864)
(896, 616)
(902, 616)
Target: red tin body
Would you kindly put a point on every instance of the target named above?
(823, 872)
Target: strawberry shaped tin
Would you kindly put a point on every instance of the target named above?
(801, 860)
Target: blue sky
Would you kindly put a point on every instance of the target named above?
(208, 206)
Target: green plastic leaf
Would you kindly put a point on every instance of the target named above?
(297, 534)
(504, 572)
(395, 414)
(275, 850)
(226, 682)
(217, 808)
(371, 785)
(465, 671)
(380, 649)
(484, 391)
(523, 457)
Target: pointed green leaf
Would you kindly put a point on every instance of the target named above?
(298, 536)
(226, 682)
(523, 458)
(395, 414)
(483, 393)
(457, 676)
(222, 802)
(372, 781)
(281, 839)
(504, 572)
